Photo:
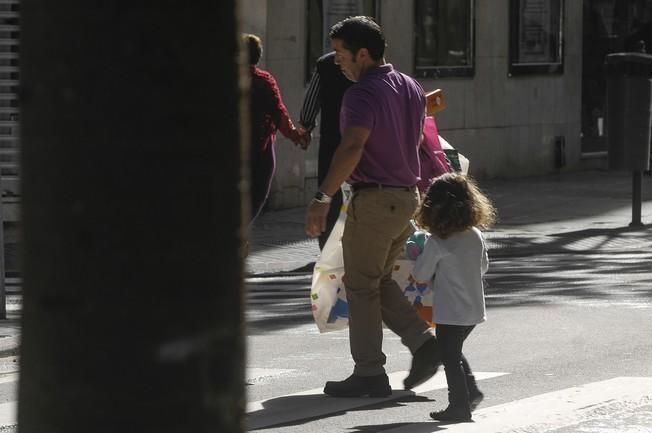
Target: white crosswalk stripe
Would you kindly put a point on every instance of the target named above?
(8, 413)
(556, 409)
(8, 410)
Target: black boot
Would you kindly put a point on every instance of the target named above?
(360, 386)
(475, 395)
(475, 398)
(452, 414)
(425, 362)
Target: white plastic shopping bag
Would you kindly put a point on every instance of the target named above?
(328, 295)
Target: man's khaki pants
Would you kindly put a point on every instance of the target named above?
(377, 226)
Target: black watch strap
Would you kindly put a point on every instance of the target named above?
(322, 197)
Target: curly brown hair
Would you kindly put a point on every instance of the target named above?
(454, 203)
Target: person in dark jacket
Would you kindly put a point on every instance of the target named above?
(324, 94)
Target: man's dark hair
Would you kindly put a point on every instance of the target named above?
(360, 32)
(254, 47)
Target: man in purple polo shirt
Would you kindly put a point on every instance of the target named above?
(381, 121)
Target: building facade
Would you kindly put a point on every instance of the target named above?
(523, 79)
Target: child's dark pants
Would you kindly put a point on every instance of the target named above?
(461, 381)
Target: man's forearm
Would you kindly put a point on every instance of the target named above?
(346, 158)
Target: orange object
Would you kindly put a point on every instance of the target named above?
(425, 313)
(435, 102)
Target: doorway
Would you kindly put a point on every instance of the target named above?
(609, 26)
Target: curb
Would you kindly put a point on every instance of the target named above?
(9, 345)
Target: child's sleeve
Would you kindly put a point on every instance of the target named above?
(426, 263)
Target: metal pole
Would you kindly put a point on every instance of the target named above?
(637, 182)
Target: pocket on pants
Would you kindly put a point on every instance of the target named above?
(362, 205)
(387, 211)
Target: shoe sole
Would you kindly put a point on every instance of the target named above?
(449, 420)
(381, 394)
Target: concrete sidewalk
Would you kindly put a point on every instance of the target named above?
(581, 211)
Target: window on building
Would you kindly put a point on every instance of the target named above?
(444, 42)
(535, 35)
(322, 14)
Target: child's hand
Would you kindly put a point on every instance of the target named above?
(412, 250)
(415, 244)
(416, 282)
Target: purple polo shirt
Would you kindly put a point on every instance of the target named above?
(392, 106)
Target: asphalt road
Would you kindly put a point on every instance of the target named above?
(555, 322)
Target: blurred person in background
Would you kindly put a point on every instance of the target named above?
(268, 115)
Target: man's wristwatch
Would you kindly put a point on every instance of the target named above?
(322, 197)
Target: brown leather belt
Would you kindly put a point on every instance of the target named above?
(365, 185)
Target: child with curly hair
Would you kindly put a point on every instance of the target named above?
(453, 262)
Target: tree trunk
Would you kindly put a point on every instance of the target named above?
(132, 309)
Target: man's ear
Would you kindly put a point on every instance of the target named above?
(363, 54)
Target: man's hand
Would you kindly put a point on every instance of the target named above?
(316, 218)
(300, 137)
(305, 136)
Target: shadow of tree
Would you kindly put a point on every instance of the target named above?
(589, 264)
(600, 265)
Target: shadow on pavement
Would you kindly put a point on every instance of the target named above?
(264, 419)
(414, 427)
(286, 319)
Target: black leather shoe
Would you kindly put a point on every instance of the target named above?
(475, 399)
(451, 415)
(425, 362)
(360, 386)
